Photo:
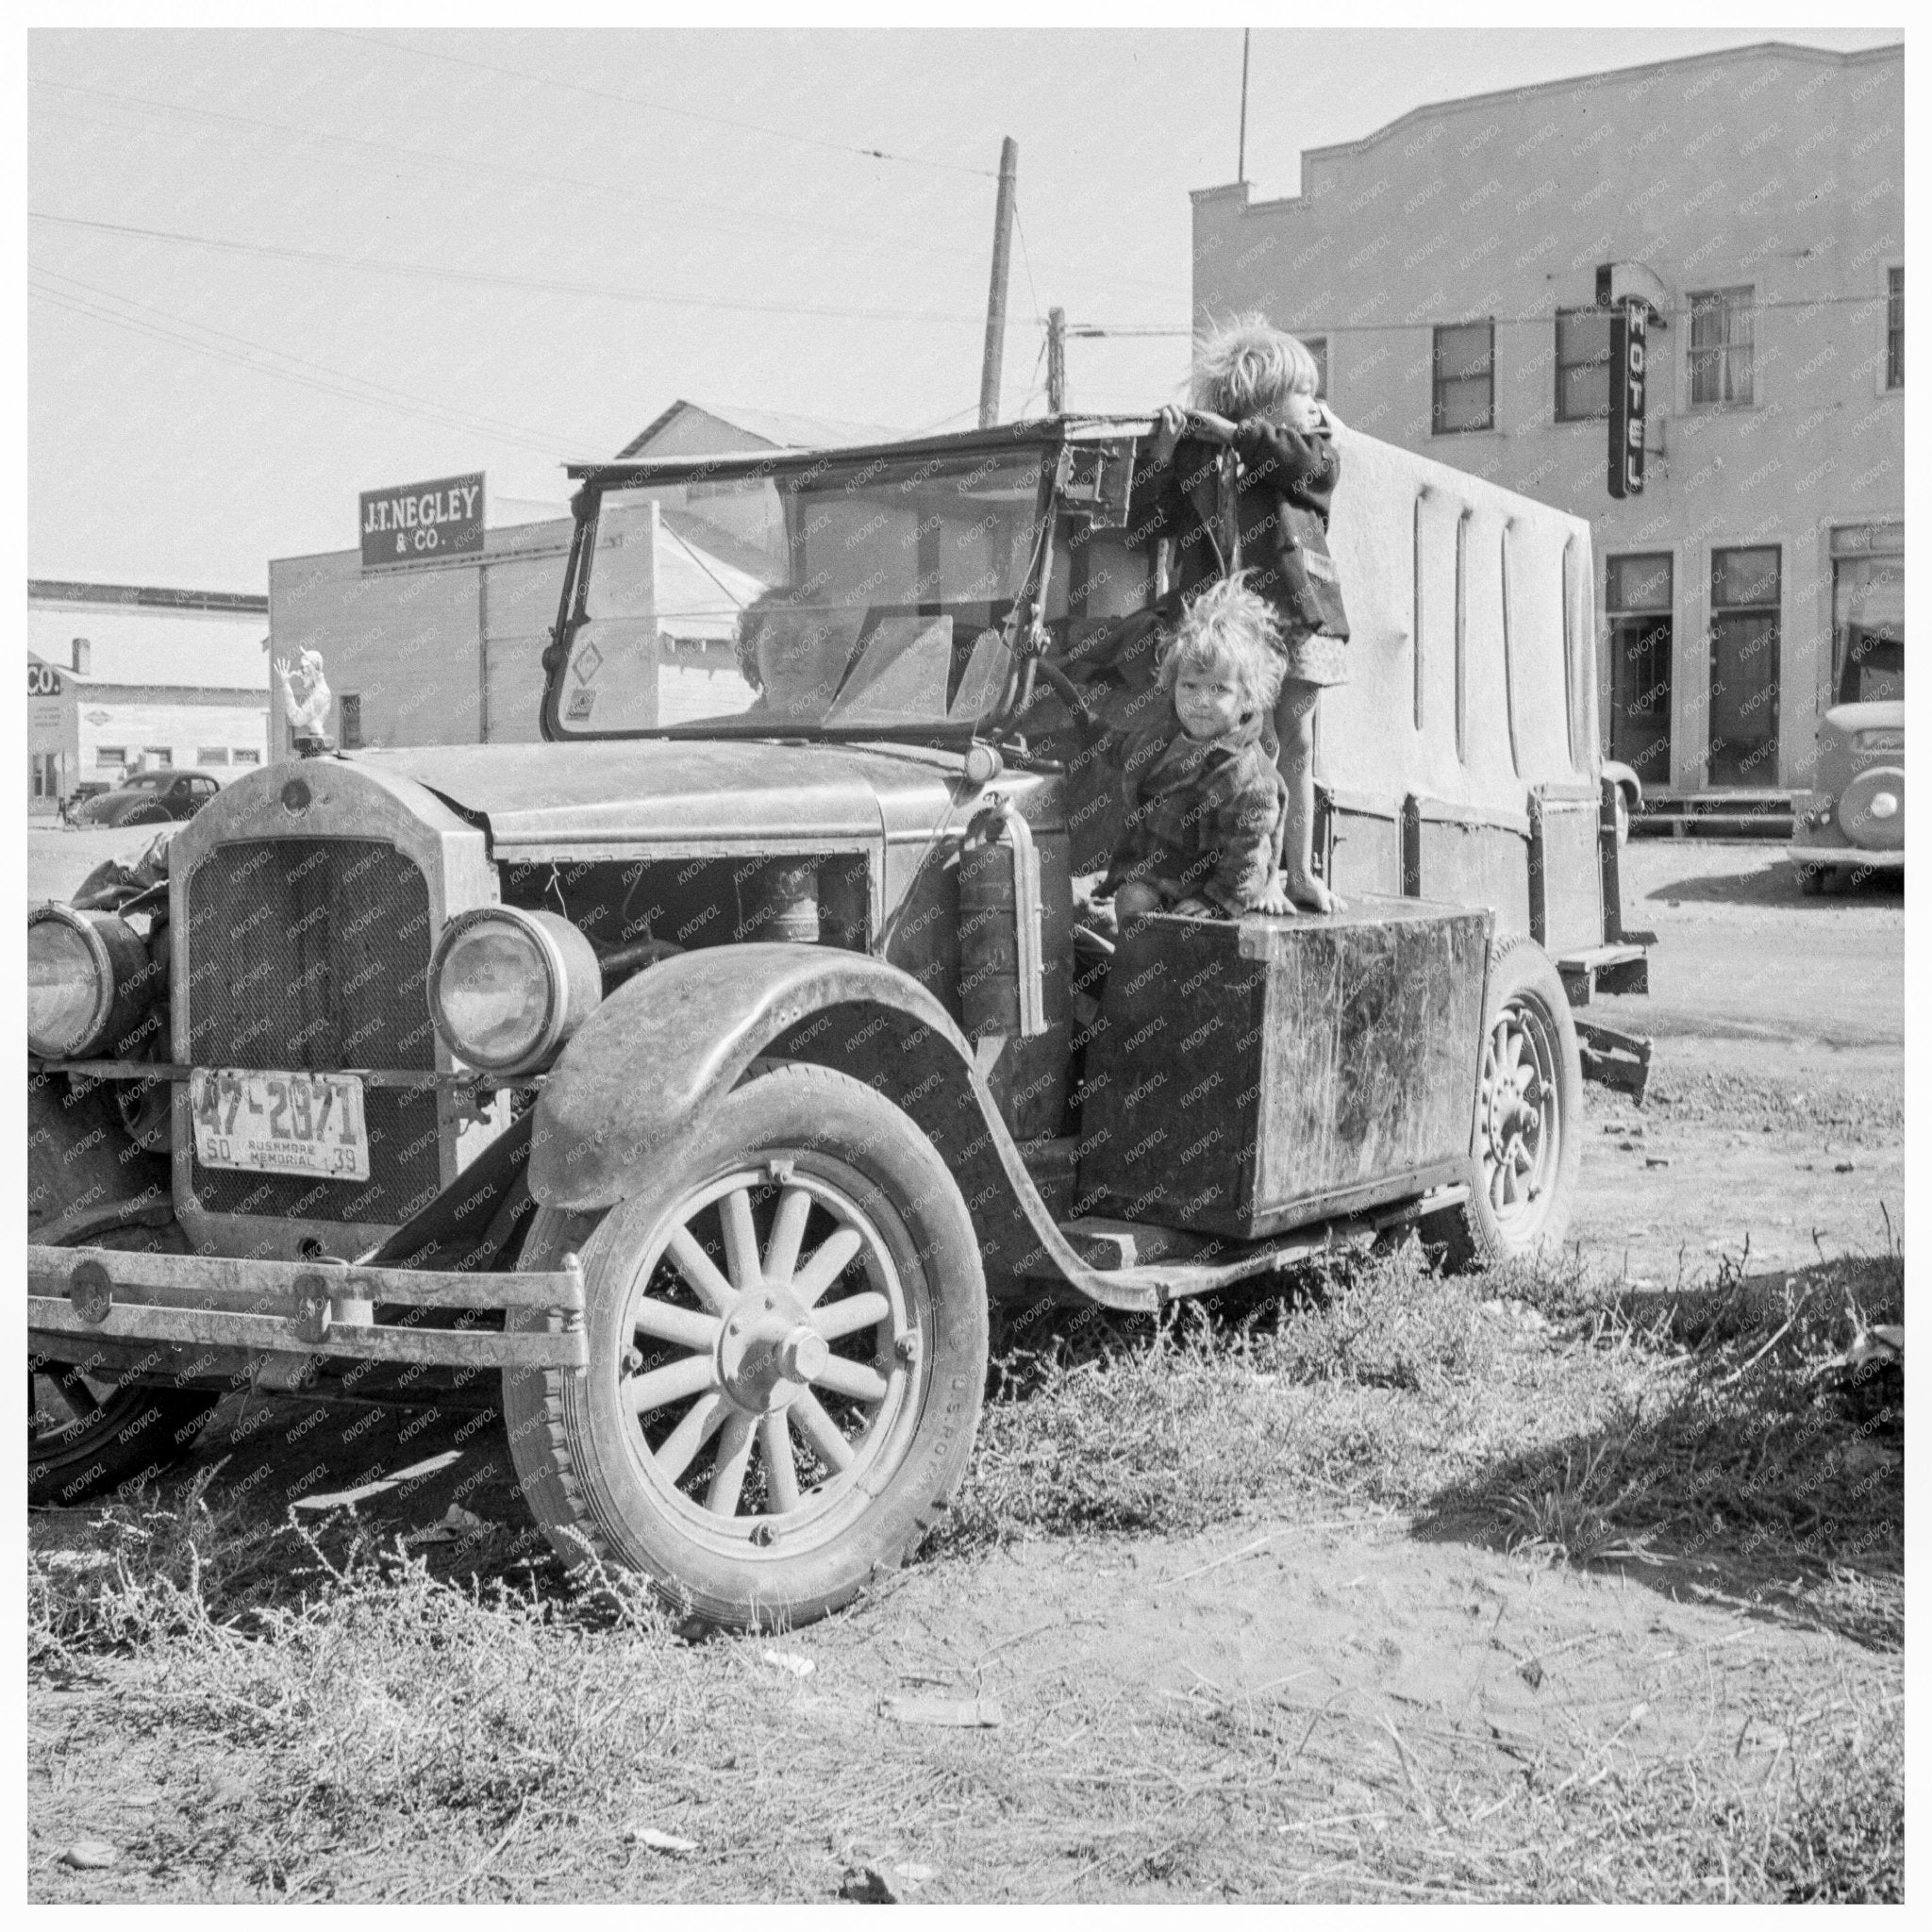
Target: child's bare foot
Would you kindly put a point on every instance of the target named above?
(1275, 900)
(1310, 894)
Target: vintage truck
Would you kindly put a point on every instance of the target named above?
(707, 1070)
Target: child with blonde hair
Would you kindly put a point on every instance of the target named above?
(1203, 799)
(1245, 481)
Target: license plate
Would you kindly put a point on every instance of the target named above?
(280, 1123)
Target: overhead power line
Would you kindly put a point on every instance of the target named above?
(373, 151)
(490, 279)
(306, 375)
(600, 94)
(435, 158)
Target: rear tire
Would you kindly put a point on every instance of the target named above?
(1527, 1140)
(1811, 881)
(787, 1347)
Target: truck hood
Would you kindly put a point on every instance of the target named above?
(556, 799)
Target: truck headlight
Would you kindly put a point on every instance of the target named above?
(507, 988)
(88, 981)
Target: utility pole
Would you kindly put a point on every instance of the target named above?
(1055, 361)
(1241, 166)
(996, 293)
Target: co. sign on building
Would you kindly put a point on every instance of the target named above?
(423, 523)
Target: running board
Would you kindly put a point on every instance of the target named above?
(1156, 1265)
(1621, 967)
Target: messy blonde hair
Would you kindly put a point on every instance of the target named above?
(1247, 367)
(1227, 626)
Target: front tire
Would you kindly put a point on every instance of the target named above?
(91, 1429)
(788, 1341)
(1528, 1141)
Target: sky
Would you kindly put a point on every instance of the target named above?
(498, 250)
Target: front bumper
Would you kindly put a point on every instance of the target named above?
(303, 1309)
(1853, 857)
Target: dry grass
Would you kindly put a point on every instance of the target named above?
(309, 1715)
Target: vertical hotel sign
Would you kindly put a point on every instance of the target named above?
(1629, 330)
(423, 523)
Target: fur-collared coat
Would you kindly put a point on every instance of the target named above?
(1274, 489)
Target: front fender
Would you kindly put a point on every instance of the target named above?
(651, 1059)
(643, 1071)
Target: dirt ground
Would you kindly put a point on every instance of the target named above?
(1778, 1082)
(1399, 1660)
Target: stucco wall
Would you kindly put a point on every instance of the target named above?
(1777, 168)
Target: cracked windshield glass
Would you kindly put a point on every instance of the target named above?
(850, 595)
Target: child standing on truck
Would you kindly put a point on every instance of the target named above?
(1203, 800)
(1256, 467)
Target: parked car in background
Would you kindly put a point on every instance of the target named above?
(87, 789)
(1853, 822)
(149, 798)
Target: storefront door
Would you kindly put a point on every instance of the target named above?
(1745, 603)
(1639, 633)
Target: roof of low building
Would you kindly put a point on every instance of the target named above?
(146, 596)
(681, 430)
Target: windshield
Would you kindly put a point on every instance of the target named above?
(847, 595)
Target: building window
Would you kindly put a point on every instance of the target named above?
(1745, 587)
(248, 757)
(110, 754)
(1896, 328)
(1720, 348)
(157, 757)
(1867, 613)
(1638, 600)
(352, 720)
(1465, 378)
(1583, 364)
(45, 769)
(1318, 347)
(212, 755)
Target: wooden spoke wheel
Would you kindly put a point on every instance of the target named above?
(787, 1346)
(1527, 1144)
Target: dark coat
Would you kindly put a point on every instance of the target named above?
(1263, 508)
(1201, 816)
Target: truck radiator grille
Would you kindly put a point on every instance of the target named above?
(310, 953)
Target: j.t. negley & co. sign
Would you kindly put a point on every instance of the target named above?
(420, 522)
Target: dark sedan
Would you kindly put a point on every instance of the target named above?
(149, 798)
